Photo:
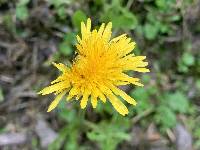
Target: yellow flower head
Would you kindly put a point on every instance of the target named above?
(98, 69)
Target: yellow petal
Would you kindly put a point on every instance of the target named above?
(61, 67)
(118, 38)
(96, 92)
(73, 92)
(58, 92)
(143, 64)
(55, 87)
(107, 32)
(56, 101)
(138, 84)
(88, 25)
(78, 39)
(135, 58)
(99, 94)
(83, 30)
(118, 105)
(118, 83)
(101, 29)
(93, 101)
(59, 79)
(84, 100)
(125, 78)
(78, 97)
(129, 48)
(121, 93)
(142, 70)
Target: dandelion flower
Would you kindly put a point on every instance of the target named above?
(98, 69)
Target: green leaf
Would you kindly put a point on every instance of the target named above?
(121, 17)
(164, 29)
(165, 5)
(34, 143)
(57, 144)
(98, 2)
(129, 20)
(1, 95)
(151, 17)
(146, 79)
(139, 93)
(72, 141)
(66, 114)
(182, 67)
(125, 23)
(65, 46)
(8, 23)
(150, 31)
(65, 49)
(197, 133)
(188, 59)
(142, 96)
(198, 84)
(114, 131)
(70, 38)
(165, 117)
(61, 12)
(78, 17)
(175, 18)
(178, 102)
(22, 12)
(58, 3)
(161, 3)
(23, 2)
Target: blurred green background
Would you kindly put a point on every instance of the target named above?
(33, 33)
